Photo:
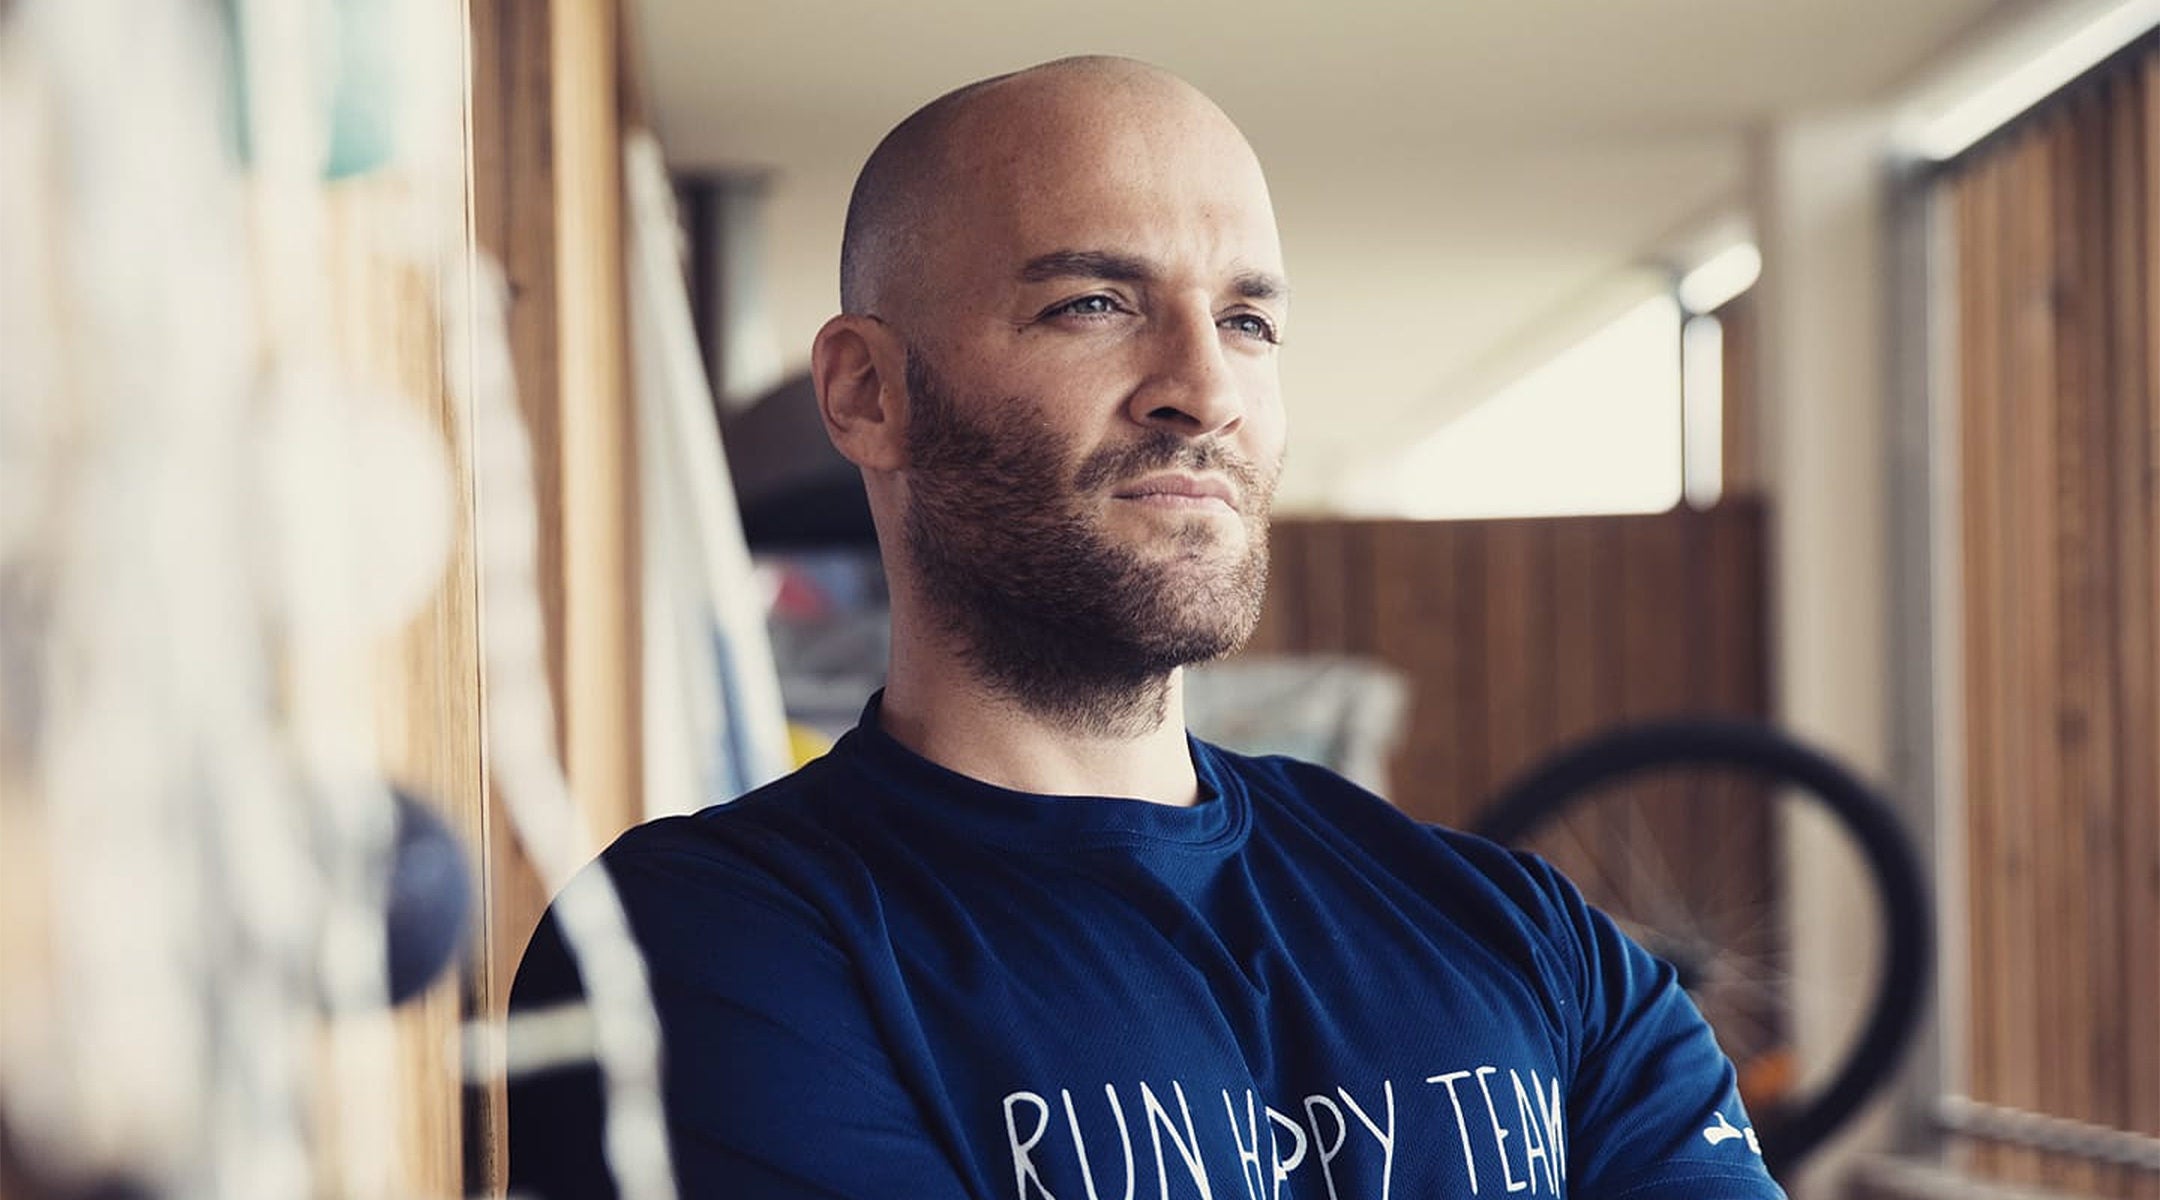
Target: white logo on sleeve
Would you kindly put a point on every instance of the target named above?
(1723, 1132)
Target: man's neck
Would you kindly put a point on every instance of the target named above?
(941, 710)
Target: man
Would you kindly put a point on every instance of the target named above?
(1018, 935)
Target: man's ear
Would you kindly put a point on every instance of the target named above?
(859, 368)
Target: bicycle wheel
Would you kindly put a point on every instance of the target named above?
(1676, 829)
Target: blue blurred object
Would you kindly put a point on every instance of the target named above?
(363, 102)
(359, 70)
(430, 899)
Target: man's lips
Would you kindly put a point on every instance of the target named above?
(1180, 491)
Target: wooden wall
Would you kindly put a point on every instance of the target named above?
(2057, 235)
(1517, 636)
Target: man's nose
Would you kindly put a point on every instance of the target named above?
(1190, 388)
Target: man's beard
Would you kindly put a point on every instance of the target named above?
(1015, 566)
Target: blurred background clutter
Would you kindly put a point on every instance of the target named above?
(409, 480)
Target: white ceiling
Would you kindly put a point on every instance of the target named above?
(1450, 175)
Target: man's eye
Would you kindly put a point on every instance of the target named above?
(1086, 306)
(1252, 325)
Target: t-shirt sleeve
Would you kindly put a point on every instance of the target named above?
(777, 1083)
(1654, 1109)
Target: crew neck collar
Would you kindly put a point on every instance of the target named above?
(1216, 822)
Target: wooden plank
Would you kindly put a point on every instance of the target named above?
(1654, 580)
(1272, 634)
(2033, 1009)
(1738, 636)
(1741, 435)
(1359, 581)
(1990, 363)
(546, 205)
(514, 219)
(389, 346)
(1540, 724)
(1511, 685)
(1610, 557)
(2082, 596)
(1470, 662)
(1979, 411)
(1578, 658)
(512, 205)
(1975, 594)
(596, 446)
(1326, 589)
(2137, 353)
(2109, 887)
(1411, 630)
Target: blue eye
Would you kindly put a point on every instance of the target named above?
(1252, 325)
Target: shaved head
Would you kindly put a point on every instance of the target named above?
(906, 189)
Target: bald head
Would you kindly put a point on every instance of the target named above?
(914, 188)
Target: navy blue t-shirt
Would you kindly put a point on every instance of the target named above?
(881, 978)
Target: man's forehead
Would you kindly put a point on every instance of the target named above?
(1121, 199)
(1227, 243)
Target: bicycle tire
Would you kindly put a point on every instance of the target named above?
(1577, 775)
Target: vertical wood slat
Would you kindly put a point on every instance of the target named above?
(2058, 352)
(597, 447)
(1584, 685)
(389, 345)
(1273, 631)
(1411, 618)
(513, 215)
(2047, 407)
(2136, 356)
(1983, 629)
(546, 204)
(1515, 645)
(1328, 607)
(1741, 433)
(2082, 754)
(512, 204)
(2034, 636)
(1988, 635)
(1473, 776)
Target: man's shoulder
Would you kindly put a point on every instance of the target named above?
(794, 807)
(1318, 795)
(783, 845)
(698, 882)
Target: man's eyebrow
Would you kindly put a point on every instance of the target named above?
(1127, 268)
(1086, 264)
(1259, 285)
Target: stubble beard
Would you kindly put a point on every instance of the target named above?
(1054, 614)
